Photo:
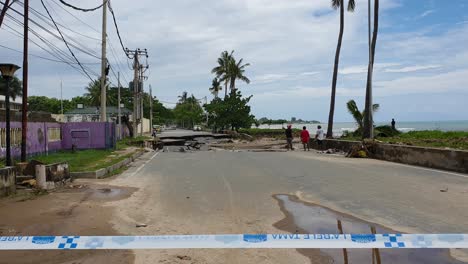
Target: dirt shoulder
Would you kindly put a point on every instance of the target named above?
(79, 209)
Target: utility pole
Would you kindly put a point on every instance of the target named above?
(103, 63)
(119, 114)
(137, 80)
(61, 96)
(135, 94)
(141, 90)
(24, 118)
(151, 108)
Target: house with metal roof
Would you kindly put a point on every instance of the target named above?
(92, 114)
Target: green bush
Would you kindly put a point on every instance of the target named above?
(386, 131)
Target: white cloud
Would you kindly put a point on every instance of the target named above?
(268, 78)
(426, 13)
(454, 81)
(413, 68)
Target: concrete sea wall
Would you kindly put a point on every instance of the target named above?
(445, 159)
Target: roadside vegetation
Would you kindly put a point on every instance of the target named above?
(85, 160)
(430, 138)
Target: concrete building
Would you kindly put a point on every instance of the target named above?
(92, 114)
(15, 105)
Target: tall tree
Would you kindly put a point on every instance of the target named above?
(222, 69)
(94, 93)
(368, 120)
(183, 97)
(337, 4)
(236, 71)
(215, 87)
(16, 87)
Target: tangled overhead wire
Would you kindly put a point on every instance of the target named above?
(83, 9)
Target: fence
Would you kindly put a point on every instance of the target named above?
(44, 137)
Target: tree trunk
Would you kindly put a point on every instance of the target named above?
(225, 88)
(335, 74)
(233, 86)
(368, 120)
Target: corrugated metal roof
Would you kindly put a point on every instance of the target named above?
(95, 110)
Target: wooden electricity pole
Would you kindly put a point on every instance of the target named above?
(104, 63)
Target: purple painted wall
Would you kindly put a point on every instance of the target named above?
(94, 135)
(86, 135)
(37, 139)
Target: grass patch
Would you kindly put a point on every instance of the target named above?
(131, 142)
(117, 172)
(84, 160)
(429, 138)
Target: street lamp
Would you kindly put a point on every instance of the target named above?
(7, 71)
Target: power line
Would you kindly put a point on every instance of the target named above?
(40, 57)
(82, 9)
(77, 18)
(47, 19)
(15, 32)
(117, 29)
(119, 62)
(59, 52)
(66, 43)
(53, 34)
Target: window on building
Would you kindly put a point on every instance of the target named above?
(15, 137)
(54, 134)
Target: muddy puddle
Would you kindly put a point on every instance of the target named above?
(313, 219)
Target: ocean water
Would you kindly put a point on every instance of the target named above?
(340, 127)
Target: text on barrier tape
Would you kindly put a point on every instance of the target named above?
(236, 241)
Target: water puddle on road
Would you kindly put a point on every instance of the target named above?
(313, 219)
(110, 194)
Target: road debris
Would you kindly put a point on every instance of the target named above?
(141, 225)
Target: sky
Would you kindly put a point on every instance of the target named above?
(421, 63)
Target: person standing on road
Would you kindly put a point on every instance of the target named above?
(289, 137)
(305, 138)
(319, 137)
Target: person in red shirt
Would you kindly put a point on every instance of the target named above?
(305, 138)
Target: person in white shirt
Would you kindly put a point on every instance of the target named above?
(319, 136)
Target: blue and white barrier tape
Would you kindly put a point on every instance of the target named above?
(237, 241)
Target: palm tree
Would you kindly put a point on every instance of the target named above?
(236, 71)
(222, 69)
(357, 114)
(94, 93)
(215, 87)
(16, 87)
(368, 120)
(337, 4)
(183, 97)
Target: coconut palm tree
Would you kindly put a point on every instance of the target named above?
(94, 93)
(236, 71)
(215, 87)
(183, 97)
(368, 120)
(222, 69)
(337, 4)
(16, 87)
(357, 114)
